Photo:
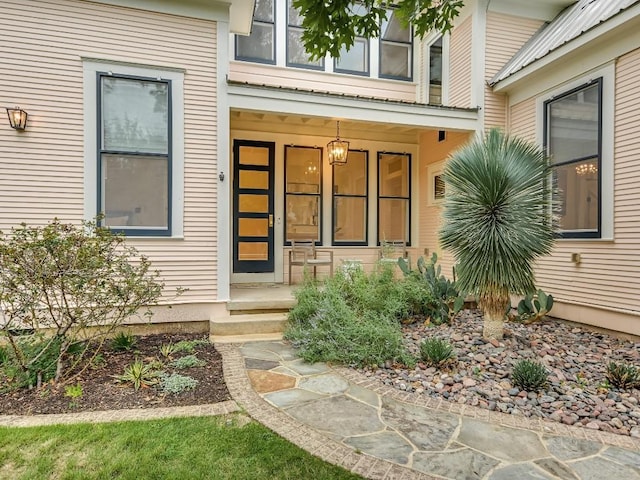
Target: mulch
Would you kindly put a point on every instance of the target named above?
(101, 391)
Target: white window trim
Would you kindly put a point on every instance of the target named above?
(424, 84)
(607, 157)
(433, 170)
(90, 69)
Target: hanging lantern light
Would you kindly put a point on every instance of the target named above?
(17, 118)
(338, 149)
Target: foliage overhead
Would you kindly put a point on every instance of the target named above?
(330, 26)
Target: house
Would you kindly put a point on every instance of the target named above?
(201, 129)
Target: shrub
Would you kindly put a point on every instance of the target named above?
(38, 353)
(123, 341)
(623, 375)
(349, 320)
(73, 391)
(139, 374)
(435, 351)
(66, 279)
(188, 361)
(528, 375)
(176, 383)
(188, 346)
(167, 349)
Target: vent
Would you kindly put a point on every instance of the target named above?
(438, 187)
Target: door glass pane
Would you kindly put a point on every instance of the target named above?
(393, 221)
(135, 191)
(253, 227)
(356, 59)
(253, 179)
(259, 45)
(394, 175)
(253, 203)
(254, 156)
(577, 190)
(303, 217)
(135, 115)
(573, 125)
(350, 219)
(253, 251)
(351, 178)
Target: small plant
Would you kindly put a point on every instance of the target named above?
(73, 391)
(98, 361)
(528, 375)
(4, 356)
(139, 374)
(188, 346)
(623, 375)
(189, 361)
(167, 349)
(176, 383)
(123, 342)
(534, 306)
(436, 352)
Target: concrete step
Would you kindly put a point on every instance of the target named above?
(255, 337)
(248, 324)
(260, 305)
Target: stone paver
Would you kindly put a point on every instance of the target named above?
(458, 464)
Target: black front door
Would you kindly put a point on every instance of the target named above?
(253, 166)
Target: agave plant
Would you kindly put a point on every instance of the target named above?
(497, 220)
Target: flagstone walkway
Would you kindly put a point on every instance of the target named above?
(382, 433)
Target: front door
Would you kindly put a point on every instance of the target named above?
(253, 166)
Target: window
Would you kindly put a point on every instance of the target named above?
(350, 200)
(394, 193)
(573, 137)
(260, 45)
(356, 60)
(435, 72)
(303, 174)
(396, 49)
(297, 56)
(134, 154)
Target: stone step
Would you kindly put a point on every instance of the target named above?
(255, 337)
(260, 305)
(248, 324)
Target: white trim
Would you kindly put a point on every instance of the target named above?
(223, 163)
(478, 48)
(446, 66)
(537, 9)
(90, 70)
(608, 120)
(319, 105)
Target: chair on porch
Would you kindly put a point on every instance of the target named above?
(304, 254)
(392, 250)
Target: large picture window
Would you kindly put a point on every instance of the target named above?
(350, 200)
(396, 49)
(394, 194)
(573, 138)
(303, 193)
(134, 154)
(260, 45)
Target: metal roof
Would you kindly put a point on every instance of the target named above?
(572, 22)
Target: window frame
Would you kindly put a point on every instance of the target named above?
(298, 28)
(367, 71)
(274, 46)
(410, 43)
(364, 242)
(599, 81)
(429, 83)
(407, 198)
(319, 195)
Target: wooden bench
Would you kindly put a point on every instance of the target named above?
(304, 254)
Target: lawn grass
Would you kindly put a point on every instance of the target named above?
(184, 448)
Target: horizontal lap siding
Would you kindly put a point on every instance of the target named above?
(505, 36)
(523, 120)
(609, 273)
(41, 169)
(460, 65)
(258, 74)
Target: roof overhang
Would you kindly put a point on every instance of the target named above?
(603, 33)
(263, 98)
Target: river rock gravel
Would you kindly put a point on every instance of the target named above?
(575, 357)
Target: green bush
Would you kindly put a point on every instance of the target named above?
(123, 342)
(39, 354)
(188, 361)
(436, 352)
(623, 375)
(176, 383)
(351, 319)
(528, 375)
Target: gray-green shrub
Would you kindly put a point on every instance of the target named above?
(188, 361)
(176, 383)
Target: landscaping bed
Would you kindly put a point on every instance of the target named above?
(100, 389)
(576, 358)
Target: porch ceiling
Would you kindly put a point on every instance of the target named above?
(314, 112)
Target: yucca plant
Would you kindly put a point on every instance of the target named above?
(497, 220)
(623, 375)
(530, 376)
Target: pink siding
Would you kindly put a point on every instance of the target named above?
(256, 73)
(460, 65)
(522, 121)
(41, 170)
(505, 36)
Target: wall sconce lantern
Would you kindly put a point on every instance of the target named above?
(338, 149)
(17, 118)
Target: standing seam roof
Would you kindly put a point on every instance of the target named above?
(572, 22)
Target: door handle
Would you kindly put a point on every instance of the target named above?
(270, 220)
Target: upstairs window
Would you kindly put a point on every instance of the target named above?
(435, 72)
(396, 49)
(260, 45)
(297, 56)
(573, 140)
